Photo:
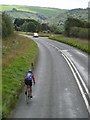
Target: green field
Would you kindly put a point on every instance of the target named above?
(41, 10)
(8, 8)
(18, 54)
(30, 12)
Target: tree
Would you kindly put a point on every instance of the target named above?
(7, 25)
(45, 27)
(19, 22)
(24, 26)
(31, 27)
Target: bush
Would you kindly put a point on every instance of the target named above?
(83, 33)
(74, 31)
(79, 32)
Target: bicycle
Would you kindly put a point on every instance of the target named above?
(27, 96)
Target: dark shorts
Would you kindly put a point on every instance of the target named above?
(28, 82)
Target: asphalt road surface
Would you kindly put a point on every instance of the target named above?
(56, 93)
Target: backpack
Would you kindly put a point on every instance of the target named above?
(28, 76)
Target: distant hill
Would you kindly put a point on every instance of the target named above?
(59, 20)
(52, 16)
(48, 12)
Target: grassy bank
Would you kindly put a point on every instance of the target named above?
(18, 53)
(76, 42)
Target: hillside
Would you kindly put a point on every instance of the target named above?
(48, 12)
(52, 16)
(59, 20)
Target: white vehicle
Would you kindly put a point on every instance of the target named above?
(35, 35)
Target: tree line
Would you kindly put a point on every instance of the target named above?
(72, 28)
(30, 25)
(26, 25)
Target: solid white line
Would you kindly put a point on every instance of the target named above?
(78, 83)
(81, 90)
(76, 71)
(79, 76)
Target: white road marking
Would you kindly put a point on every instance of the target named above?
(76, 78)
(81, 53)
(79, 85)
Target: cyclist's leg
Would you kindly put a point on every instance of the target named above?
(26, 87)
(31, 89)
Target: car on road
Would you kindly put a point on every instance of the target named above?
(35, 35)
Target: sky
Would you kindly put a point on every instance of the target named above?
(62, 4)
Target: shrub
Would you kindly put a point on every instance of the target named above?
(79, 32)
(74, 31)
(83, 33)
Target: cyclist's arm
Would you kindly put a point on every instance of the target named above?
(33, 78)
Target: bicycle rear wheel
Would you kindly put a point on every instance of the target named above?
(27, 96)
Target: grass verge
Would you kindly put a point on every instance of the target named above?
(18, 53)
(76, 42)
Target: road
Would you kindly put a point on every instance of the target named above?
(56, 93)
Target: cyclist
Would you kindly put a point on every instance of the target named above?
(28, 81)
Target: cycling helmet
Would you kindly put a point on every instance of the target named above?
(30, 70)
